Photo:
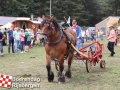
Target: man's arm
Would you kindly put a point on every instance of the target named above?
(3, 37)
(8, 35)
(80, 32)
(113, 35)
(14, 35)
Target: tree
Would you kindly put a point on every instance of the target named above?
(86, 12)
(92, 11)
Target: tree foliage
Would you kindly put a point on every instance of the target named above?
(86, 12)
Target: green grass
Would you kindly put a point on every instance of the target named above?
(97, 79)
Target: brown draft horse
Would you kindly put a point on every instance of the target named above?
(56, 47)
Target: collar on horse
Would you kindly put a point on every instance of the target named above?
(56, 41)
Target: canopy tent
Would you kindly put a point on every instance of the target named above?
(8, 25)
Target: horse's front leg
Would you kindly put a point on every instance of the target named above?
(61, 76)
(68, 72)
(48, 66)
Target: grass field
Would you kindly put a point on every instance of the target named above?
(98, 79)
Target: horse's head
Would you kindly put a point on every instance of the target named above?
(49, 25)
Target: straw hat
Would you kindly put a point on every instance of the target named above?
(110, 26)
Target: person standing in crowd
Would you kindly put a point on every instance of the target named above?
(31, 38)
(93, 35)
(98, 34)
(83, 34)
(22, 39)
(5, 39)
(78, 31)
(2, 37)
(11, 39)
(27, 40)
(111, 40)
(43, 16)
(38, 35)
(101, 35)
(16, 36)
(88, 36)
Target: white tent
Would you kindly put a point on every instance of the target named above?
(8, 25)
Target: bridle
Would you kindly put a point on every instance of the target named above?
(50, 29)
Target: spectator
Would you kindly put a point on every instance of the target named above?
(5, 39)
(88, 36)
(16, 36)
(31, 38)
(27, 40)
(98, 34)
(78, 31)
(38, 35)
(83, 34)
(93, 35)
(40, 40)
(22, 39)
(101, 35)
(111, 38)
(2, 37)
(11, 40)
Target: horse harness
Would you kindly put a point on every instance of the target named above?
(68, 41)
(62, 33)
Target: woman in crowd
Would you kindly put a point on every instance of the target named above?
(101, 35)
(22, 39)
(27, 40)
(31, 38)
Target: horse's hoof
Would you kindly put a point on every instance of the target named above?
(51, 77)
(61, 79)
(68, 74)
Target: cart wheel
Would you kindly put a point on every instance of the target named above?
(102, 63)
(88, 65)
(89, 62)
(56, 65)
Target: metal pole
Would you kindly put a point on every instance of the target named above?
(50, 8)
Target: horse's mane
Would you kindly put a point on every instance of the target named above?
(54, 22)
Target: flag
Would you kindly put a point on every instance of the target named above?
(68, 21)
(33, 26)
(5, 81)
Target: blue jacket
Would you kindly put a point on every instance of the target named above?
(78, 31)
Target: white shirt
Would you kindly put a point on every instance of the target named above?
(83, 34)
